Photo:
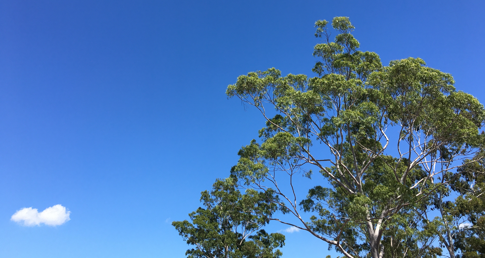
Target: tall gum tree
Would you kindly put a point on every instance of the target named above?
(390, 134)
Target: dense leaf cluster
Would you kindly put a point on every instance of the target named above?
(230, 224)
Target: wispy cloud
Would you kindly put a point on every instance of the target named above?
(52, 216)
(464, 225)
(290, 230)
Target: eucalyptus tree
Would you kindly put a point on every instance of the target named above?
(381, 138)
(230, 224)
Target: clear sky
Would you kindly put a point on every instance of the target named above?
(116, 110)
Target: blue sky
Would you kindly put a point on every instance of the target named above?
(117, 110)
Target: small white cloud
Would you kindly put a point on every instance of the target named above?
(29, 217)
(290, 230)
(52, 216)
(464, 225)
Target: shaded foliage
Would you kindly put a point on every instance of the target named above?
(229, 224)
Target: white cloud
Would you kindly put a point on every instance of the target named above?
(52, 216)
(464, 225)
(290, 230)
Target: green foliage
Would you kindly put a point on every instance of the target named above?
(470, 205)
(230, 224)
(388, 142)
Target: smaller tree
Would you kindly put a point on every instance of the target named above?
(470, 206)
(230, 224)
(461, 224)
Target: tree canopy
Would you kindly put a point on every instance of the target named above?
(397, 151)
(394, 147)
